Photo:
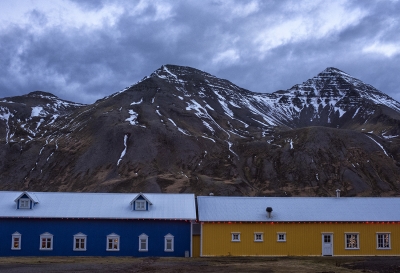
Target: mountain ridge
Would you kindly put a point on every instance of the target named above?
(183, 130)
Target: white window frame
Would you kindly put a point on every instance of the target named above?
(357, 236)
(279, 235)
(235, 236)
(16, 237)
(113, 240)
(169, 237)
(80, 237)
(143, 237)
(24, 203)
(140, 205)
(258, 234)
(46, 238)
(378, 239)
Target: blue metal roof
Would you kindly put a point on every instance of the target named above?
(99, 205)
(288, 209)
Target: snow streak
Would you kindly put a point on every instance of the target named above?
(378, 145)
(124, 151)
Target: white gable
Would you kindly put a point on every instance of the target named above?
(143, 196)
(31, 196)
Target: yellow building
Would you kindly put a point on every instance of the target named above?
(300, 226)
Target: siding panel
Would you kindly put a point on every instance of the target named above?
(196, 246)
(96, 231)
(302, 239)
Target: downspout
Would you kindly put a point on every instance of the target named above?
(191, 239)
(201, 239)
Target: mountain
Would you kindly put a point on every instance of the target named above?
(183, 130)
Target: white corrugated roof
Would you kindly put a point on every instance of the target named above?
(216, 208)
(99, 205)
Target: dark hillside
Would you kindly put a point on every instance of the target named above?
(184, 130)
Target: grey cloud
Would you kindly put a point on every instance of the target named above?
(89, 4)
(38, 17)
(84, 64)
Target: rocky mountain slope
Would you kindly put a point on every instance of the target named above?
(183, 130)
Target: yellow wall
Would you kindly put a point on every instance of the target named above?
(196, 246)
(301, 238)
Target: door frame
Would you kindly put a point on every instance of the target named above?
(330, 234)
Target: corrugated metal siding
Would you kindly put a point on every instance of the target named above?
(302, 239)
(196, 246)
(96, 231)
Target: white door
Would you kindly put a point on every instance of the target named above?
(327, 244)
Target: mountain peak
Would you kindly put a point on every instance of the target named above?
(332, 69)
(175, 72)
(335, 72)
(41, 94)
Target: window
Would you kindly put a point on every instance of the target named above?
(46, 241)
(235, 237)
(24, 203)
(258, 237)
(16, 241)
(383, 240)
(169, 243)
(79, 242)
(143, 242)
(352, 241)
(281, 236)
(112, 242)
(140, 205)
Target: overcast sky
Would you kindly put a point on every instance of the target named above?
(84, 50)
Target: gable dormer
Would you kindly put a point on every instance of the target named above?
(26, 200)
(140, 202)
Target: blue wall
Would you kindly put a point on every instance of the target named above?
(64, 230)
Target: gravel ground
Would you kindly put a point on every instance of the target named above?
(193, 265)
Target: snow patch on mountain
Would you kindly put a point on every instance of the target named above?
(378, 144)
(139, 102)
(133, 117)
(38, 111)
(124, 151)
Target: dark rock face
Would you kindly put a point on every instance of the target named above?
(184, 130)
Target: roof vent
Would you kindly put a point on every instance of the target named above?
(269, 210)
(337, 193)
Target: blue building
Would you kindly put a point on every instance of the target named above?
(96, 224)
